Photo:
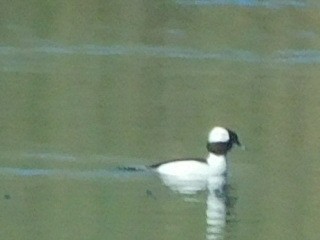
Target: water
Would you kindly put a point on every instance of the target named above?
(88, 87)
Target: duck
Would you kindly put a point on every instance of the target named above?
(193, 174)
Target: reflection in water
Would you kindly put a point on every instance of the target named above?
(184, 186)
(217, 200)
(216, 216)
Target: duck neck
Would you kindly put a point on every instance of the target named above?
(218, 163)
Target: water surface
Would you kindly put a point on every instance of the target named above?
(88, 87)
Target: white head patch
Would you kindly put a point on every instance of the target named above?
(218, 134)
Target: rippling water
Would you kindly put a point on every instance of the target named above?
(286, 56)
(88, 88)
(251, 3)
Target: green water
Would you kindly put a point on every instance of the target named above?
(88, 86)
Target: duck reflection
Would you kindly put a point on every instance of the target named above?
(220, 199)
(219, 203)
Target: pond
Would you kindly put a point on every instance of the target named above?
(87, 87)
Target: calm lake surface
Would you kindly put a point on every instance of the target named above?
(88, 86)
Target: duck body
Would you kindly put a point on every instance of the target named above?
(193, 167)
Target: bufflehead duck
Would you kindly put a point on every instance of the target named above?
(220, 142)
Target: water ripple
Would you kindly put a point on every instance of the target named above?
(72, 174)
(118, 50)
(271, 4)
(19, 59)
(306, 56)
